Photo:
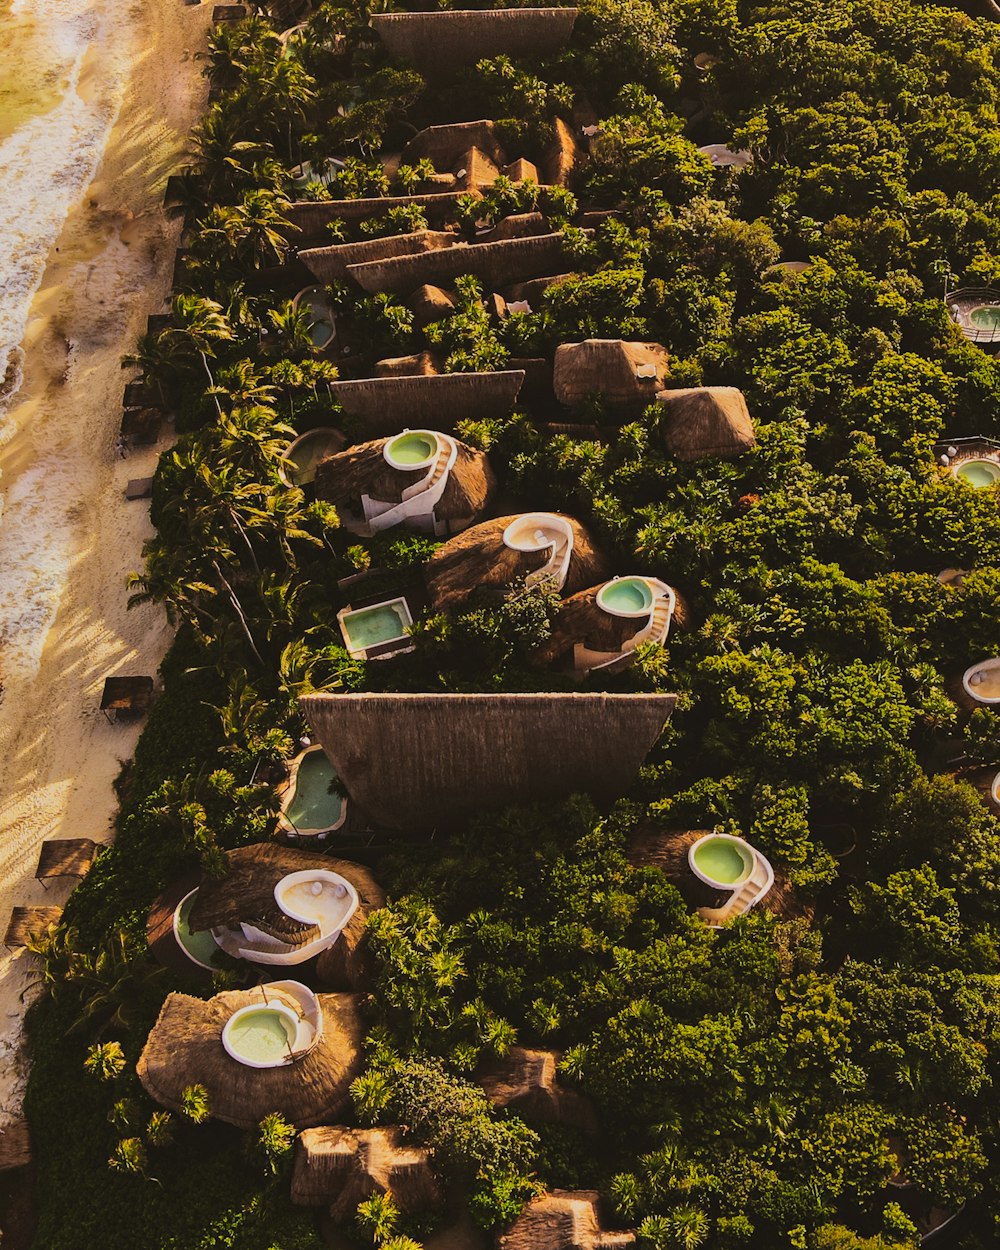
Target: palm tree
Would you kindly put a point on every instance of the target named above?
(160, 1129)
(194, 1104)
(378, 1217)
(105, 1060)
(275, 1139)
(129, 1156)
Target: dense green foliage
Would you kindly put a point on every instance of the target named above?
(757, 1088)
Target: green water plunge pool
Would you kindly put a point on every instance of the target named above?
(315, 804)
(628, 595)
(262, 1035)
(412, 448)
(986, 317)
(979, 473)
(370, 627)
(722, 861)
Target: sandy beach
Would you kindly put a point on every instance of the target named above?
(66, 532)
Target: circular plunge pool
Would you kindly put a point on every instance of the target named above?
(720, 860)
(978, 473)
(261, 1035)
(625, 596)
(411, 450)
(986, 317)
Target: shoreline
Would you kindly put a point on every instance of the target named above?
(66, 524)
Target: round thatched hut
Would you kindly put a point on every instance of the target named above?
(600, 628)
(706, 421)
(422, 479)
(624, 375)
(495, 555)
(185, 1048)
(339, 1168)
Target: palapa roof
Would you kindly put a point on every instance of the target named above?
(185, 1048)
(246, 893)
(313, 216)
(516, 226)
(563, 1220)
(527, 1083)
(706, 421)
(329, 264)
(523, 170)
(561, 156)
(363, 470)
(430, 303)
(479, 560)
(444, 145)
(535, 288)
(388, 405)
(421, 761)
(339, 1168)
(609, 368)
(422, 364)
(475, 169)
(496, 264)
(581, 619)
(438, 43)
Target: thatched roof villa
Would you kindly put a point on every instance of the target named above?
(563, 1220)
(422, 479)
(527, 1082)
(438, 43)
(339, 1168)
(444, 145)
(706, 421)
(329, 264)
(389, 405)
(600, 628)
(185, 1047)
(280, 906)
(421, 761)
(496, 555)
(623, 375)
(311, 217)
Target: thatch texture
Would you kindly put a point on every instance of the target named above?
(497, 264)
(475, 169)
(342, 1167)
(527, 1083)
(422, 364)
(185, 1048)
(422, 761)
(562, 156)
(27, 923)
(329, 264)
(609, 368)
(430, 303)
(439, 43)
(444, 145)
(363, 470)
(388, 405)
(706, 421)
(313, 216)
(65, 857)
(516, 226)
(246, 893)
(563, 1220)
(581, 620)
(522, 170)
(533, 290)
(479, 560)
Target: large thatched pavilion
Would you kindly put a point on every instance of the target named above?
(706, 421)
(624, 375)
(510, 550)
(388, 405)
(421, 479)
(185, 1048)
(438, 43)
(422, 761)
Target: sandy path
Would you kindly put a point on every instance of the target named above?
(65, 519)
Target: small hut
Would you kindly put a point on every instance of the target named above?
(329, 264)
(444, 145)
(415, 401)
(430, 303)
(706, 421)
(490, 558)
(341, 1167)
(185, 1048)
(562, 156)
(624, 375)
(425, 761)
(527, 1083)
(438, 43)
(442, 492)
(563, 1220)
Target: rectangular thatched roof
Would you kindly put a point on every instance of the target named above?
(329, 264)
(438, 43)
(313, 216)
(497, 264)
(419, 761)
(388, 405)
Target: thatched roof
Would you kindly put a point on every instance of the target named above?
(421, 364)
(363, 470)
(430, 303)
(523, 170)
(388, 405)
(444, 145)
(561, 157)
(27, 923)
(563, 1220)
(580, 619)
(342, 1167)
(527, 1083)
(652, 846)
(65, 857)
(535, 288)
(421, 761)
(438, 43)
(706, 421)
(246, 893)
(479, 560)
(496, 264)
(329, 264)
(516, 226)
(313, 216)
(475, 169)
(185, 1048)
(610, 368)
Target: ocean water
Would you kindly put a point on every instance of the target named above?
(54, 122)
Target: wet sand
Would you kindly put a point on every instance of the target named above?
(65, 520)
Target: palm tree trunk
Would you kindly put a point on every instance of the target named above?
(238, 609)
